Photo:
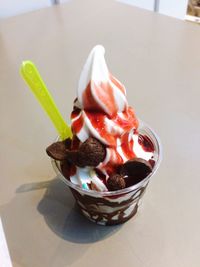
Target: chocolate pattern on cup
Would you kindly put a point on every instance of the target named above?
(112, 207)
(109, 211)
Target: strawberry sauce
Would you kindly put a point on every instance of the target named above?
(146, 143)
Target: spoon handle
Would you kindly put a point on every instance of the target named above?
(32, 77)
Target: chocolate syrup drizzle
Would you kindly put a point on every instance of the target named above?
(92, 207)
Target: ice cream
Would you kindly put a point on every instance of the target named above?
(106, 147)
(109, 156)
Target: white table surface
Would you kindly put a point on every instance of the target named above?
(158, 60)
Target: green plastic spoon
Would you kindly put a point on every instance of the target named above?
(31, 75)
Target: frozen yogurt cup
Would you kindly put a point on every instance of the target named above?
(107, 156)
(113, 207)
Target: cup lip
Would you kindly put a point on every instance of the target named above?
(134, 187)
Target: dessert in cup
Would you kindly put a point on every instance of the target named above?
(107, 156)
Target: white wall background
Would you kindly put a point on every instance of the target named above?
(174, 8)
(14, 7)
(147, 4)
(10, 8)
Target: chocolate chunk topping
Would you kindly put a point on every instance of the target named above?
(116, 182)
(136, 169)
(90, 153)
(67, 142)
(72, 156)
(65, 168)
(57, 150)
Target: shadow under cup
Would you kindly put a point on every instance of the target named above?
(114, 207)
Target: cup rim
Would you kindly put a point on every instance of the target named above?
(134, 187)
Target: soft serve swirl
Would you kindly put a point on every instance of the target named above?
(101, 111)
(98, 90)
